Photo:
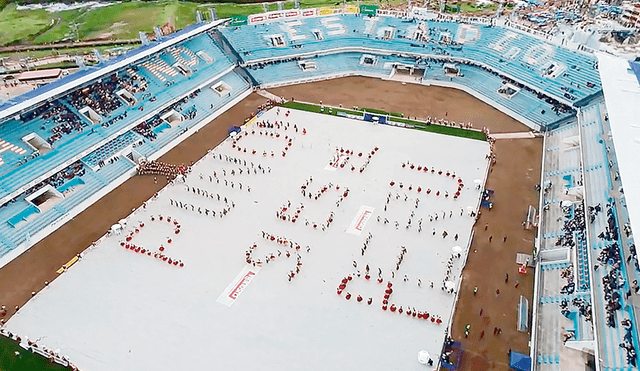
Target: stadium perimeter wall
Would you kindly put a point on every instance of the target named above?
(445, 84)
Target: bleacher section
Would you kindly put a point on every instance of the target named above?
(607, 242)
(71, 142)
(493, 48)
(103, 169)
(327, 66)
(97, 158)
(564, 297)
(579, 167)
(73, 137)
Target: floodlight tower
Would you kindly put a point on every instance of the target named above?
(98, 56)
(143, 37)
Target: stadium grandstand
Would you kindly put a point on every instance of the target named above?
(66, 144)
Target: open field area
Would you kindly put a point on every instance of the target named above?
(123, 295)
(390, 96)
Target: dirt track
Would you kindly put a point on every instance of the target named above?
(512, 178)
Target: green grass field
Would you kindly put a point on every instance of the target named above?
(15, 25)
(124, 20)
(440, 129)
(24, 361)
(118, 21)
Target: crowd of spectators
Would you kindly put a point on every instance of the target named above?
(570, 286)
(574, 227)
(161, 168)
(56, 180)
(61, 177)
(628, 342)
(65, 122)
(121, 116)
(583, 306)
(612, 282)
(146, 128)
(133, 83)
(99, 96)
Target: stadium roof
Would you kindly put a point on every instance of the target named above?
(41, 74)
(622, 93)
(15, 105)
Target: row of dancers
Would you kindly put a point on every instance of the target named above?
(365, 245)
(32, 346)
(428, 190)
(231, 184)
(342, 157)
(159, 254)
(386, 221)
(367, 275)
(240, 171)
(447, 274)
(287, 244)
(141, 224)
(203, 210)
(205, 193)
(267, 134)
(410, 311)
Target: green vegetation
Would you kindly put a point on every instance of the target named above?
(226, 10)
(381, 112)
(41, 53)
(16, 25)
(469, 8)
(439, 129)
(25, 361)
(62, 65)
(124, 20)
(446, 130)
(118, 21)
(317, 109)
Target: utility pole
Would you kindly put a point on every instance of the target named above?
(74, 27)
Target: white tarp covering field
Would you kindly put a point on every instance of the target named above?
(118, 309)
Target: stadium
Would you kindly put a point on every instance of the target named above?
(503, 133)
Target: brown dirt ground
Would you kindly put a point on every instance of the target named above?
(513, 177)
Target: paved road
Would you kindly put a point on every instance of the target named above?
(520, 135)
(64, 45)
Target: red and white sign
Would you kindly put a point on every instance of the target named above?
(360, 220)
(309, 12)
(292, 13)
(237, 286)
(257, 19)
